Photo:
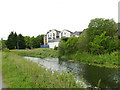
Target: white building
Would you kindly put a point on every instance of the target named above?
(54, 36)
(66, 33)
(76, 34)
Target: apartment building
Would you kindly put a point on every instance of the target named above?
(53, 37)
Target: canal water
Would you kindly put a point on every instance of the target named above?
(89, 74)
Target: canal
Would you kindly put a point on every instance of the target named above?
(89, 74)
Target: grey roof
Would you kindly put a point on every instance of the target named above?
(55, 40)
(53, 29)
(68, 30)
(76, 33)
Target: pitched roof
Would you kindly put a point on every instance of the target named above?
(67, 30)
(54, 30)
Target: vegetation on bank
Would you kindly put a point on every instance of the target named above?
(21, 73)
(0, 62)
(106, 60)
(39, 53)
(98, 45)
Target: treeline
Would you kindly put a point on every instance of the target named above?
(100, 37)
(15, 41)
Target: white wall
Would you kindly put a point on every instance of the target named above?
(68, 34)
(53, 44)
(50, 34)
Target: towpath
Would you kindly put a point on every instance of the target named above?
(2, 85)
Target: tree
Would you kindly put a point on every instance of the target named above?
(32, 41)
(28, 41)
(82, 44)
(98, 25)
(12, 40)
(37, 41)
(98, 44)
(70, 45)
(20, 42)
(61, 48)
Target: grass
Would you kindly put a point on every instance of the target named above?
(20, 73)
(39, 53)
(106, 60)
(0, 61)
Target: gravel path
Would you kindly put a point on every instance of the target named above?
(2, 85)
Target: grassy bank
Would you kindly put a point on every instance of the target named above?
(107, 60)
(40, 53)
(0, 61)
(20, 73)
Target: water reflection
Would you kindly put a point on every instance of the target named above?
(92, 74)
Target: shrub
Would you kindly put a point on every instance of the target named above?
(70, 45)
(61, 49)
(82, 44)
(98, 44)
(64, 39)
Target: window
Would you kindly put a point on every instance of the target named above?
(53, 34)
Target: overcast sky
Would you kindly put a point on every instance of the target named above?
(35, 17)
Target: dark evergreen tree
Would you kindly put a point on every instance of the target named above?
(12, 40)
(20, 42)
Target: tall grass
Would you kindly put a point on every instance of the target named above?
(20, 73)
(0, 61)
(40, 53)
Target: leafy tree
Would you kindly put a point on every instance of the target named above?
(70, 45)
(21, 42)
(95, 29)
(97, 46)
(61, 48)
(27, 41)
(113, 45)
(99, 25)
(37, 41)
(82, 44)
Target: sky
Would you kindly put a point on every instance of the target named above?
(36, 17)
